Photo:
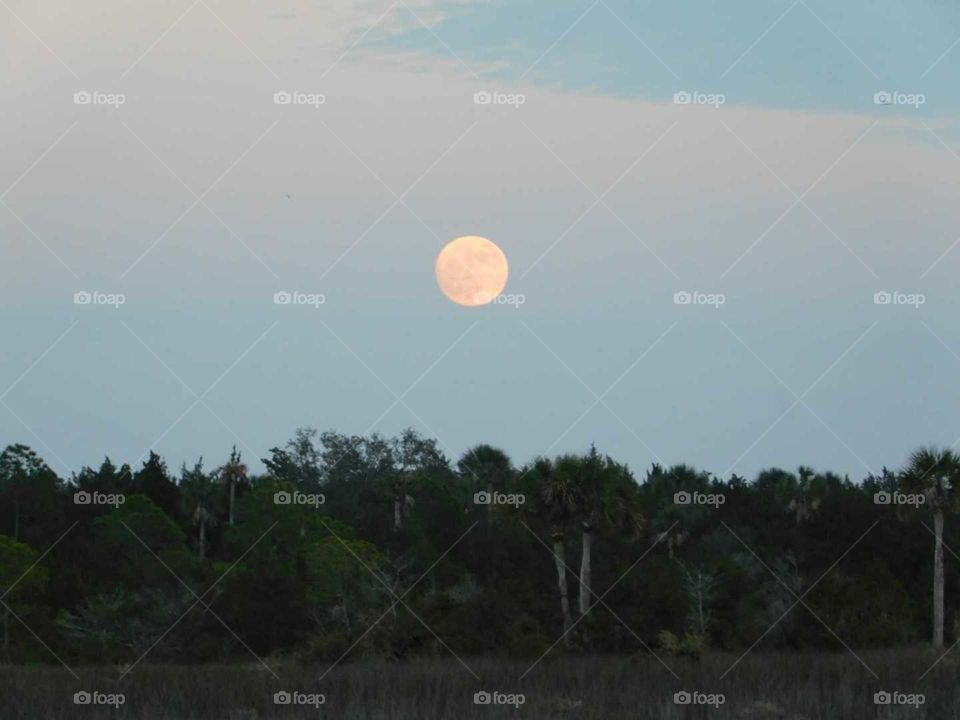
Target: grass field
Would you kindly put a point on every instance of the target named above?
(796, 686)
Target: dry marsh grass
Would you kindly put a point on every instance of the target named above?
(763, 686)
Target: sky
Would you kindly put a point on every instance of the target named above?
(781, 199)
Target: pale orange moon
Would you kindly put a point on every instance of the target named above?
(472, 270)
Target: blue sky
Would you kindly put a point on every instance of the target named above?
(797, 200)
(790, 54)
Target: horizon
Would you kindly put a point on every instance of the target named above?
(641, 475)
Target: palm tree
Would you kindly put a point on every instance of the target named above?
(201, 496)
(558, 493)
(804, 504)
(232, 474)
(403, 463)
(401, 486)
(396, 478)
(489, 469)
(932, 471)
(606, 494)
(585, 476)
(20, 472)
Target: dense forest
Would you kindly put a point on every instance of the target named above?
(350, 547)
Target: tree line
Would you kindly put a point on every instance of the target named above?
(350, 546)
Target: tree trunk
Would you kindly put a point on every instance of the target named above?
(938, 579)
(346, 612)
(700, 615)
(585, 569)
(16, 518)
(558, 556)
(233, 486)
(397, 512)
(490, 510)
(203, 539)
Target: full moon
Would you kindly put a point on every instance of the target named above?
(472, 270)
